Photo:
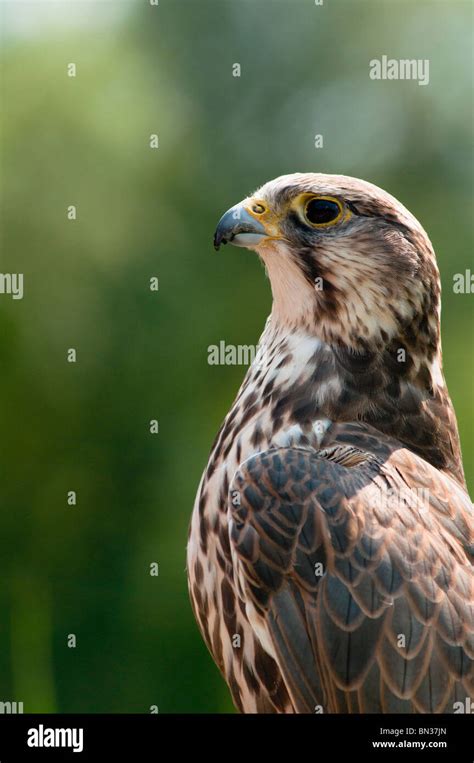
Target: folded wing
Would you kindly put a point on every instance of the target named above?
(357, 575)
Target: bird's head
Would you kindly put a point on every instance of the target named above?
(346, 260)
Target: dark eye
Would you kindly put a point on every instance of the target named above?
(323, 211)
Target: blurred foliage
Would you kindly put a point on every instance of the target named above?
(143, 355)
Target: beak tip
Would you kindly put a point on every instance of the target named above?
(218, 242)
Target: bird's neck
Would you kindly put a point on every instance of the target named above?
(397, 389)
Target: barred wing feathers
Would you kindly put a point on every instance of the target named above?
(357, 572)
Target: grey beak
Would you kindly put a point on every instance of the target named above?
(238, 227)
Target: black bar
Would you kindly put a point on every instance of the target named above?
(153, 737)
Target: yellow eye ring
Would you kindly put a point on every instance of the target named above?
(323, 211)
(258, 208)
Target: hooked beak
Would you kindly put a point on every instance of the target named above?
(237, 226)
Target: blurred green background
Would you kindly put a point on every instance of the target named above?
(144, 212)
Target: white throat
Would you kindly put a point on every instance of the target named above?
(293, 296)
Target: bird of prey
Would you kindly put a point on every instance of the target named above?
(330, 555)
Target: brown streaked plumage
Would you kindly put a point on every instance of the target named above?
(331, 545)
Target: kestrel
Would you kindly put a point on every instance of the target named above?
(331, 544)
